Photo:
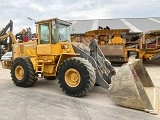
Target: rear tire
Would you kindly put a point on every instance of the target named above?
(22, 72)
(76, 76)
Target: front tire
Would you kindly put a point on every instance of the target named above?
(76, 76)
(22, 72)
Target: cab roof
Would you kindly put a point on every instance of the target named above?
(54, 19)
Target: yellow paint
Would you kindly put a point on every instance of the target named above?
(19, 72)
(148, 56)
(44, 49)
(72, 77)
(117, 39)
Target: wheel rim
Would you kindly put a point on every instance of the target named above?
(72, 77)
(19, 72)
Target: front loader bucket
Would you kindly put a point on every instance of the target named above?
(132, 87)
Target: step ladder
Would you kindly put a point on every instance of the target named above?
(40, 67)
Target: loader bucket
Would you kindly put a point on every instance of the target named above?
(132, 87)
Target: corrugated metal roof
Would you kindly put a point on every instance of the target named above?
(131, 27)
(144, 24)
(95, 25)
(113, 24)
(153, 19)
(134, 24)
(81, 26)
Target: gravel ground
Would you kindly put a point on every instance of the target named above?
(46, 101)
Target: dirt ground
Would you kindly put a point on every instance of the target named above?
(45, 100)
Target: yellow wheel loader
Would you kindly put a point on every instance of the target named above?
(77, 67)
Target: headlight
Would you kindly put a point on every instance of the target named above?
(65, 46)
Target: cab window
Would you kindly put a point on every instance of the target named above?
(44, 33)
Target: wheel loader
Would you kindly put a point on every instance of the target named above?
(78, 67)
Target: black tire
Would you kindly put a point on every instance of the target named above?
(86, 72)
(28, 78)
(50, 77)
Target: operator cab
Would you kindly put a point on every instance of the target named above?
(52, 31)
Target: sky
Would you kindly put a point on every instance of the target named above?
(73, 10)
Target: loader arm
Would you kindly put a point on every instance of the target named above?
(104, 69)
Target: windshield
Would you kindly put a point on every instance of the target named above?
(60, 32)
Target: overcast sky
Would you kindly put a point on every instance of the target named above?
(19, 10)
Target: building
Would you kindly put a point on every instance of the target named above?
(134, 24)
